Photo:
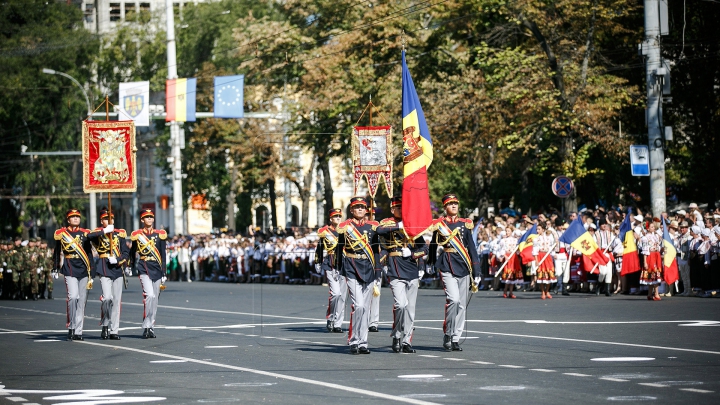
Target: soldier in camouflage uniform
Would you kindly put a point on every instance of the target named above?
(14, 267)
(4, 253)
(45, 278)
(28, 270)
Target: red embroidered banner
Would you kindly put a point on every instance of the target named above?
(109, 156)
(372, 152)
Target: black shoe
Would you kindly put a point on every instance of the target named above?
(373, 329)
(396, 345)
(337, 330)
(71, 332)
(565, 291)
(78, 337)
(50, 295)
(447, 340)
(151, 333)
(608, 293)
(145, 333)
(35, 297)
(406, 348)
(354, 349)
(364, 350)
(42, 296)
(329, 326)
(104, 333)
(114, 337)
(456, 347)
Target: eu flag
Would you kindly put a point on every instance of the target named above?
(417, 156)
(229, 96)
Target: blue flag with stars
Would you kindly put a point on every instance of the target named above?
(229, 96)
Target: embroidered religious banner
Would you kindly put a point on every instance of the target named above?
(108, 150)
(372, 154)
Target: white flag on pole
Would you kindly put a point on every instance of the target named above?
(135, 103)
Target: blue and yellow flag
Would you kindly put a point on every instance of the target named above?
(631, 260)
(525, 245)
(417, 157)
(581, 240)
(670, 266)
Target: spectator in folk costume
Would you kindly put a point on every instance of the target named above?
(543, 250)
(512, 272)
(651, 274)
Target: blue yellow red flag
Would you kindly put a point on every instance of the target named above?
(417, 157)
(631, 260)
(525, 244)
(580, 239)
(670, 266)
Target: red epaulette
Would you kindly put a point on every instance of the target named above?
(134, 235)
(99, 228)
(161, 233)
(58, 233)
(321, 231)
(121, 233)
(388, 221)
(373, 223)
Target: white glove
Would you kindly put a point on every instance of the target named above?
(318, 267)
(478, 280)
(400, 225)
(8, 271)
(128, 272)
(112, 260)
(55, 275)
(109, 228)
(163, 280)
(38, 271)
(41, 268)
(429, 270)
(421, 274)
(4, 264)
(406, 252)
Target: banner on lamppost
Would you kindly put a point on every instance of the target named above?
(108, 151)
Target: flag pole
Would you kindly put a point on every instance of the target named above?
(506, 261)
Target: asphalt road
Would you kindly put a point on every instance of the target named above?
(221, 343)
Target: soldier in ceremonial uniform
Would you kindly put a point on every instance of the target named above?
(72, 243)
(456, 261)
(325, 261)
(149, 244)
(356, 260)
(404, 261)
(112, 259)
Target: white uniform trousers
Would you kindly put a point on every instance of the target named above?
(151, 292)
(562, 270)
(404, 296)
(605, 275)
(456, 292)
(361, 298)
(375, 307)
(110, 303)
(76, 299)
(336, 301)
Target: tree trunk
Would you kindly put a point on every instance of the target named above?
(273, 207)
(305, 195)
(483, 181)
(324, 163)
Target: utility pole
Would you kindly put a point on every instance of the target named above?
(654, 75)
(175, 131)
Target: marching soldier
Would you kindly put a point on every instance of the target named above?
(72, 243)
(46, 263)
(325, 261)
(356, 260)
(404, 260)
(149, 244)
(112, 255)
(456, 262)
(5, 271)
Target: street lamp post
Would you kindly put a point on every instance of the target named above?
(93, 203)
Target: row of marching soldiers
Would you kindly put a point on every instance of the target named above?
(25, 269)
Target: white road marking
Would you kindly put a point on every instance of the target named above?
(219, 347)
(453, 359)
(642, 346)
(427, 355)
(89, 396)
(623, 359)
(250, 384)
(577, 375)
(16, 399)
(656, 385)
(481, 362)
(510, 366)
(543, 370)
(216, 311)
(420, 376)
(358, 391)
(168, 361)
(46, 340)
(613, 379)
(702, 323)
(503, 388)
(632, 398)
(696, 390)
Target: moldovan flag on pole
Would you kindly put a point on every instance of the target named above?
(670, 267)
(580, 239)
(180, 100)
(525, 245)
(417, 157)
(630, 259)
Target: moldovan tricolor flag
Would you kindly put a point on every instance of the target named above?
(180, 100)
(670, 267)
(580, 239)
(417, 157)
(525, 245)
(630, 259)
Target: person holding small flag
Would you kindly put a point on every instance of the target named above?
(651, 274)
(149, 244)
(543, 252)
(584, 244)
(457, 261)
(508, 259)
